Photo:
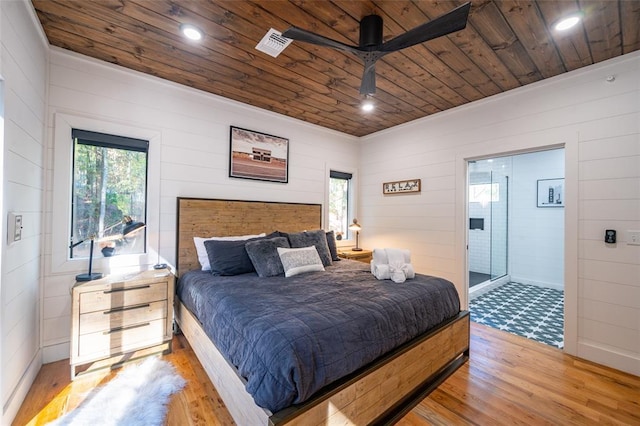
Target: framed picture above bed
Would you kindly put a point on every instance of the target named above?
(258, 156)
(551, 193)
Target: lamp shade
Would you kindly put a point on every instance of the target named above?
(131, 227)
(355, 226)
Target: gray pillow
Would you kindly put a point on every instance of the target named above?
(316, 238)
(333, 249)
(264, 255)
(299, 260)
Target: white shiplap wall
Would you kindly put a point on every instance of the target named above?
(23, 69)
(598, 123)
(189, 154)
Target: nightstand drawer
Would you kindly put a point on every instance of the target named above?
(104, 343)
(122, 316)
(117, 297)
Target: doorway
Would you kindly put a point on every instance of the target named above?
(516, 244)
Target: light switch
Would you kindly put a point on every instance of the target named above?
(633, 238)
(14, 227)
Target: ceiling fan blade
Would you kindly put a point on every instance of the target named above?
(450, 22)
(299, 34)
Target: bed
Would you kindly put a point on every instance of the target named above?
(390, 382)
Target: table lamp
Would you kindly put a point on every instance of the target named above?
(355, 226)
(130, 227)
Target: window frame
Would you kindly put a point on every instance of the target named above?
(62, 192)
(110, 141)
(352, 203)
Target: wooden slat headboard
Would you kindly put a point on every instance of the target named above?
(201, 217)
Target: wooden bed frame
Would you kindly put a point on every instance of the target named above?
(379, 393)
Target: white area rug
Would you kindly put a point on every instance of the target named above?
(138, 395)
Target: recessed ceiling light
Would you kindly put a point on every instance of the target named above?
(568, 22)
(191, 32)
(367, 105)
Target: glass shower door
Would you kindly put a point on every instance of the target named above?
(499, 222)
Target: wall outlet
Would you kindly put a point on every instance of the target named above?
(633, 238)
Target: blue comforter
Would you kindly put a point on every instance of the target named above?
(289, 337)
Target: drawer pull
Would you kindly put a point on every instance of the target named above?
(129, 327)
(116, 290)
(126, 308)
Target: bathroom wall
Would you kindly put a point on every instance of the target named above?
(536, 243)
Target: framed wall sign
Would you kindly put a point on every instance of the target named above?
(401, 186)
(551, 192)
(258, 156)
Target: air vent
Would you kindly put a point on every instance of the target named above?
(273, 43)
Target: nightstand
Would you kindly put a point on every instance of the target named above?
(364, 256)
(120, 318)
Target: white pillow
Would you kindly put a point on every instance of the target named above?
(203, 257)
(300, 260)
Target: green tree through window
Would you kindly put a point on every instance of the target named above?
(339, 203)
(109, 182)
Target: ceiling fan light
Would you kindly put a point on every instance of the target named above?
(191, 32)
(367, 105)
(568, 22)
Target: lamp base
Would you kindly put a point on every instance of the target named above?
(356, 249)
(89, 277)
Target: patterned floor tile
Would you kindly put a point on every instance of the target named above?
(526, 310)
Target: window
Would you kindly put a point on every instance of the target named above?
(339, 203)
(484, 193)
(109, 184)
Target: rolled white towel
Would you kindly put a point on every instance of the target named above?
(381, 272)
(393, 264)
(380, 264)
(396, 258)
(399, 266)
(380, 256)
(397, 275)
(408, 271)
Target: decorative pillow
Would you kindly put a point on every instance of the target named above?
(277, 234)
(316, 238)
(331, 243)
(203, 256)
(264, 255)
(299, 260)
(229, 257)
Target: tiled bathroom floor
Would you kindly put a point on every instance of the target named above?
(530, 311)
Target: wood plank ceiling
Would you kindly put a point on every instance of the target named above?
(507, 44)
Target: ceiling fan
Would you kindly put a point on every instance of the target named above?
(371, 47)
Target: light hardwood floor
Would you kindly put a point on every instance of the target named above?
(508, 380)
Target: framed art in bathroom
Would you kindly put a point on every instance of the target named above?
(551, 192)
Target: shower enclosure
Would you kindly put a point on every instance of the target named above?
(499, 214)
(488, 219)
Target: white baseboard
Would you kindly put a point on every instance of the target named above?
(554, 286)
(627, 362)
(15, 400)
(55, 353)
